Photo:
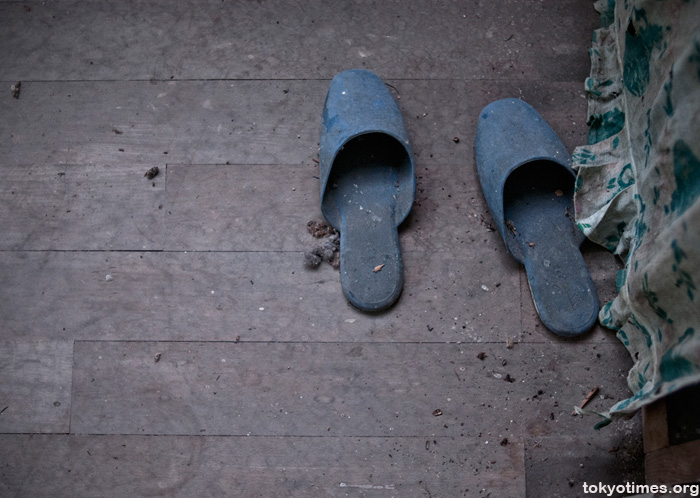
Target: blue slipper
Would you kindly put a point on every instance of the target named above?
(528, 183)
(367, 185)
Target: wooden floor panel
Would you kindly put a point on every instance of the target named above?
(35, 386)
(338, 389)
(133, 40)
(268, 382)
(218, 296)
(185, 466)
(248, 122)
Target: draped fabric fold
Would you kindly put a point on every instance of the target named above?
(638, 186)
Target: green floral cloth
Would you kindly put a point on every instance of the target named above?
(638, 186)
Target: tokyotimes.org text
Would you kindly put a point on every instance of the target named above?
(631, 488)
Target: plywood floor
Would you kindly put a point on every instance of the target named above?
(163, 338)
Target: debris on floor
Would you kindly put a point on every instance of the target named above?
(313, 258)
(320, 229)
(489, 226)
(329, 251)
(15, 89)
(152, 173)
(588, 397)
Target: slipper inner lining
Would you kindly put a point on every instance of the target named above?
(539, 213)
(363, 189)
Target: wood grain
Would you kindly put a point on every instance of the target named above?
(281, 40)
(80, 207)
(655, 426)
(186, 466)
(35, 386)
(337, 389)
(677, 464)
(258, 296)
(248, 122)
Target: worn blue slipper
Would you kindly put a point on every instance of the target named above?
(525, 173)
(367, 185)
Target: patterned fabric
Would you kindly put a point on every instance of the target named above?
(638, 186)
